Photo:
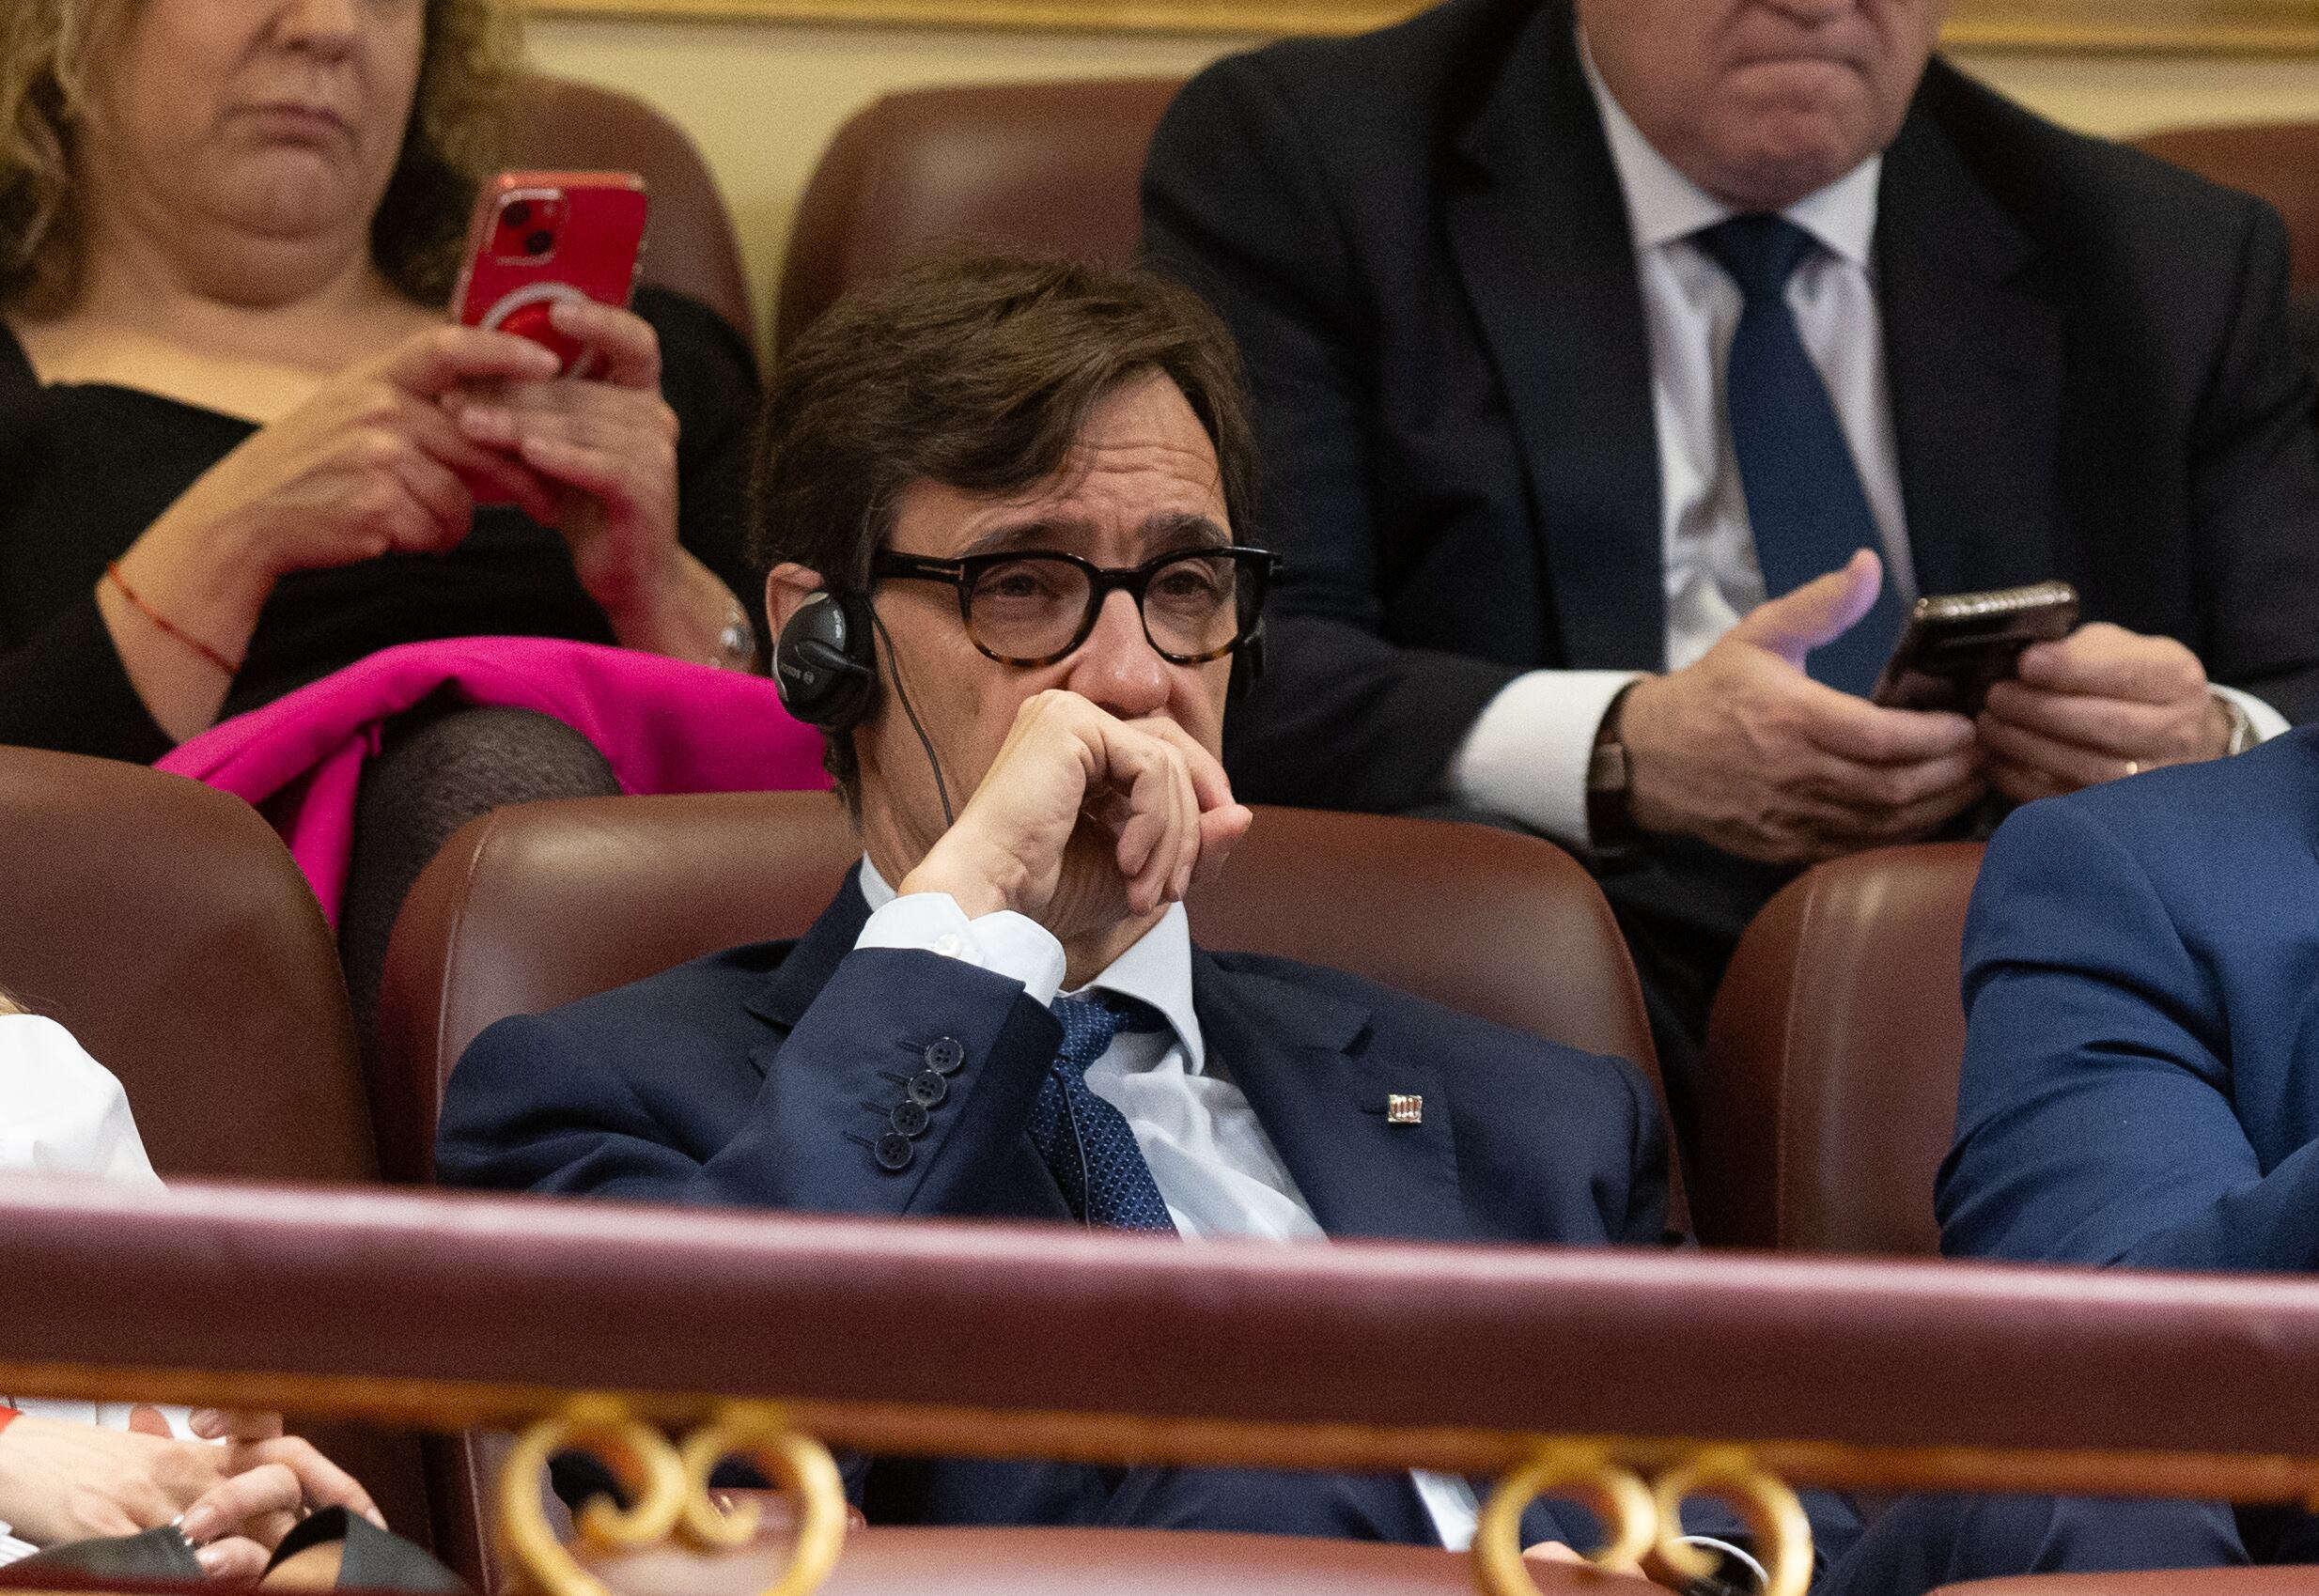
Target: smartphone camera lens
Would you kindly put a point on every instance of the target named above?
(518, 213)
(539, 241)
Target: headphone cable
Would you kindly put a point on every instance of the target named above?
(893, 665)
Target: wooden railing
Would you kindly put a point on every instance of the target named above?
(1580, 1371)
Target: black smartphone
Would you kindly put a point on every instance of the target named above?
(1955, 648)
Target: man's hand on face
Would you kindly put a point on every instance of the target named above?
(2098, 705)
(1086, 820)
(1744, 749)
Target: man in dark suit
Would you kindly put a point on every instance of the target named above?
(1621, 369)
(998, 499)
(2141, 984)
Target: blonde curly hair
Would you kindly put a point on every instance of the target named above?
(467, 67)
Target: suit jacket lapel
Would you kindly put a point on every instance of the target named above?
(1295, 1053)
(1974, 356)
(1538, 225)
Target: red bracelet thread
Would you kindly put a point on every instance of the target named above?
(9, 1413)
(113, 572)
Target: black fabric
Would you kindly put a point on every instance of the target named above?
(374, 1560)
(440, 766)
(89, 466)
(1419, 238)
(161, 1553)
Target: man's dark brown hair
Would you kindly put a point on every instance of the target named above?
(977, 372)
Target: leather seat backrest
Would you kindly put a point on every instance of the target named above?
(542, 903)
(2275, 161)
(690, 245)
(1048, 168)
(164, 923)
(165, 926)
(1829, 1086)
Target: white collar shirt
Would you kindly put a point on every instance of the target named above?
(63, 1113)
(1527, 753)
(1690, 310)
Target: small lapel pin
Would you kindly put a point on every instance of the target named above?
(1403, 1108)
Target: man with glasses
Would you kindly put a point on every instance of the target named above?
(1002, 504)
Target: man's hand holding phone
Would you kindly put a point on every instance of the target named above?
(1744, 749)
(1085, 821)
(2101, 704)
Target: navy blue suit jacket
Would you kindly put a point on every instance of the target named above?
(2141, 977)
(741, 1078)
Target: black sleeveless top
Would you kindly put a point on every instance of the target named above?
(85, 468)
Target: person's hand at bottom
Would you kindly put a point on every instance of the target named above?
(1743, 750)
(2101, 704)
(62, 1481)
(272, 1480)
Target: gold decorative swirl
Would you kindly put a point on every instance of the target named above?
(1782, 1534)
(760, 1433)
(640, 1458)
(1623, 1501)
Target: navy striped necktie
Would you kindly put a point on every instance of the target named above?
(1805, 502)
(1085, 1142)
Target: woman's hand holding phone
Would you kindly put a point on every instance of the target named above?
(606, 443)
(371, 464)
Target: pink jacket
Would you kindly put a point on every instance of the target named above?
(665, 726)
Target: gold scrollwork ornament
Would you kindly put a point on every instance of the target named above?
(640, 1458)
(1621, 1499)
(760, 1434)
(1771, 1509)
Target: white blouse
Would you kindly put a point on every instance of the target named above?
(61, 1112)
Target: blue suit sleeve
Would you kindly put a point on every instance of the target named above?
(629, 1101)
(2095, 1115)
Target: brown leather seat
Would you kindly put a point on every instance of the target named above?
(2277, 161)
(690, 245)
(1050, 167)
(165, 926)
(1499, 925)
(1828, 1085)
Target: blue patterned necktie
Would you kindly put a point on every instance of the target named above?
(1805, 502)
(1086, 1141)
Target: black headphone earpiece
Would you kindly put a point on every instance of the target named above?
(826, 662)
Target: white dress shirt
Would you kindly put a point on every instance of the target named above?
(1216, 1169)
(1527, 754)
(61, 1112)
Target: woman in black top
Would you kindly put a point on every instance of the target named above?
(227, 228)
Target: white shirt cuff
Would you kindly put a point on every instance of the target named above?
(1004, 943)
(1527, 754)
(2267, 722)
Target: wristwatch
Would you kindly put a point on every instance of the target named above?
(1610, 816)
(2243, 735)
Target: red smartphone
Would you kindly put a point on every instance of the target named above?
(541, 236)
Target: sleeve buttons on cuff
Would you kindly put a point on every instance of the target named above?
(910, 1119)
(895, 1151)
(946, 1056)
(927, 1090)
